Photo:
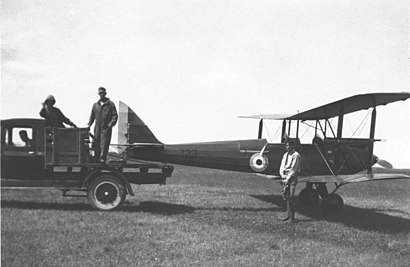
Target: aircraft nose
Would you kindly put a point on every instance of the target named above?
(382, 162)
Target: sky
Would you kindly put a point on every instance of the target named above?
(189, 68)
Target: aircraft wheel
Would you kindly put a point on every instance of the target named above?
(308, 197)
(106, 192)
(333, 202)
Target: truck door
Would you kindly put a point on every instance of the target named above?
(21, 158)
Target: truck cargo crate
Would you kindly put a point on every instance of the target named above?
(67, 146)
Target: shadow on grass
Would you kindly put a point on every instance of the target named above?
(274, 199)
(158, 208)
(238, 209)
(154, 207)
(28, 205)
(146, 206)
(359, 218)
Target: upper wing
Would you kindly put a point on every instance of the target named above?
(351, 178)
(267, 116)
(343, 106)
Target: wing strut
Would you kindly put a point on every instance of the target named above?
(260, 129)
(283, 131)
(372, 130)
(324, 159)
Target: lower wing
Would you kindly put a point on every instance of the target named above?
(350, 178)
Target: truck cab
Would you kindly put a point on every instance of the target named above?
(22, 159)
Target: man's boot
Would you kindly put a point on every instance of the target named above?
(292, 213)
(287, 217)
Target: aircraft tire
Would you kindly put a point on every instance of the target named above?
(333, 202)
(308, 197)
(106, 192)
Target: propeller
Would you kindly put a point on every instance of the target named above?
(384, 164)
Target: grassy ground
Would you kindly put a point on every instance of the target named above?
(207, 218)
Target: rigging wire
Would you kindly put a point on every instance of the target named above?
(277, 132)
(361, 125)
(307, 129)
(274, 136)
(267, 131)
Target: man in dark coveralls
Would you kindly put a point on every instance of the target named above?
(105, 116)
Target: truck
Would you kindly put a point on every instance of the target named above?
(34, 156)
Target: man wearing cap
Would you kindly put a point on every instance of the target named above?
(105, 116)
(289, 170)
(54, 117)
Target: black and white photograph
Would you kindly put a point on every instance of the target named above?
(205, 133)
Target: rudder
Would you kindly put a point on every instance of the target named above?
(131, 129)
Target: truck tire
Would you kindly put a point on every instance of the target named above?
(106, 192)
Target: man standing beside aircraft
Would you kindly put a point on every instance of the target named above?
(289, 170)
(105, 116)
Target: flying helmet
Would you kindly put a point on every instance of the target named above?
(51, 99)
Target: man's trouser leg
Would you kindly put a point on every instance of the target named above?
(105, 143)
(292, 210)
(286, 196)
(292, 203)
(97, 142)
(287, 216)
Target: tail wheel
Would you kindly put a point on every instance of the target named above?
(106, 192)
(308, 197)
(332, 202)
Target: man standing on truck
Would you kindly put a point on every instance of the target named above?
(54, 117)
(105, 116)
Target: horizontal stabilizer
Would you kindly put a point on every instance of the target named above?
(140, 145)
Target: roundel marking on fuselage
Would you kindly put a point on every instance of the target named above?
(258, 162)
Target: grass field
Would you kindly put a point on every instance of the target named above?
(206, 217)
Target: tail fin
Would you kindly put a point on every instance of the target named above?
(131, 129)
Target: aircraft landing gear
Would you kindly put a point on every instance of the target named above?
(309, 197)
(332, 202)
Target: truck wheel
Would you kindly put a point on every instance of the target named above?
(106, 192)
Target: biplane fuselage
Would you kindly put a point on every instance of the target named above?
(240, 156)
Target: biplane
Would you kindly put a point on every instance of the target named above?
(327, 158)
